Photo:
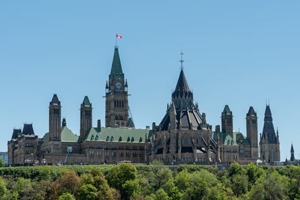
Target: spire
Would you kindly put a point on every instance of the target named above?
(116, 68)
(292, 153)
(55, 99)
(251, 111)
(268, 130)
(226, 110)
(182, 85)
(86, 102)
(268, 111)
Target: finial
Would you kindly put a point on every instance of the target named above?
(181, 61)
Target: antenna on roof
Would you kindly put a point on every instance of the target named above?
(181, 67)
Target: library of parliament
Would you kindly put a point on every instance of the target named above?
(182, 136)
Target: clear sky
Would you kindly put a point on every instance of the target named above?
(236, 52)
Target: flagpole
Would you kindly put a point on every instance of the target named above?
(116, 40)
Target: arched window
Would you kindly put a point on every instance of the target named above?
(231, 142)
(112, 138)
(141, 140)
(185, 139)
(92, 138)
(128, 139)
(132, 139)
(228, 142)
(107, 139)
(120, 139)
(116, 117)
(97, 137)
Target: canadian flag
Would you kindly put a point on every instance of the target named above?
(119, 36)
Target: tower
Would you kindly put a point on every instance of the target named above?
(227, 122)
(269, 142)
(85, 118)
(54, 125)
(116, 103)
(292, 154)
(251, 120)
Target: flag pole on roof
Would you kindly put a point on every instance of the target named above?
(118, 36)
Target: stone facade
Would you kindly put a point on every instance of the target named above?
(183, 135)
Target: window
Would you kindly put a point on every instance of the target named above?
(107, 139)
(56, 111)
(99, 146)
(231, 142)
(92, 138)
(233, 150)
(96, 137)
(87, 113)
(186, 159)
(121, 147)
(90, 153)
(228, 156)
(132, 139)
(91, 146)
(227, 150)
(114, 146)
(234, 157)
(228, 142)
(253, 121)
(112, 138)
(134, 147)
(183, 159)
(242, 151)
(186, 139)
(106, 146)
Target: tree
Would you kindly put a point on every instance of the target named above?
(70, 181)
(86, 179)
(182, 180)
(2, 164)
(45, 173)
(87, 192)
(67, 196)
(118, 176)
(163, 176)
(2, 187)
(130, 188)
(161, 195)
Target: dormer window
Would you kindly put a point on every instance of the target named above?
(231, 142)
(97, 137)
(112, 139)
(107, 139)
(228, 142)
(132, 139)
(92, 138)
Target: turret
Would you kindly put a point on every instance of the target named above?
(85, 118)
(292, 153)
(55, 125)
(227, 121)
(252, 132)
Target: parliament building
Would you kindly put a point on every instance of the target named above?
(182, 136)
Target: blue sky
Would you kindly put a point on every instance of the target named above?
(236, 52)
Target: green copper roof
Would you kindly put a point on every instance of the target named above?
(118, 135)
(116, 67)
(86, 101)
(238, 135)
(45, 139)
(68, 136)
(130, 123)
(226, 111)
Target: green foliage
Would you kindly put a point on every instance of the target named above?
(2, 164)
(67, 196)
(152, 182)
(45, 173)
(2, 187)
(87, 192)
(157, 162)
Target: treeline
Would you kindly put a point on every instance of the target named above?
(154, 182)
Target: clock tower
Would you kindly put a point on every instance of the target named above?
(116, 103)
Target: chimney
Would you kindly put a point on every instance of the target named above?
(99, 125)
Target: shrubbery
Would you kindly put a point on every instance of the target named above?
(154, 182)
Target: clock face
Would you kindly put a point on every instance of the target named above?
(118, 85)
